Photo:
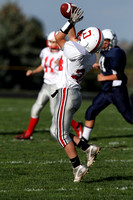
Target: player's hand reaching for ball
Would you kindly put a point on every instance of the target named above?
(76, 15)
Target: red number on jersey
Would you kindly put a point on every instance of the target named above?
(61, 64)
(79, 74)
(50, 65)
(45, 66)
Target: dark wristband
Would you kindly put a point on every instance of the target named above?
(67, 26)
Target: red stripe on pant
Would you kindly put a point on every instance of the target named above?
(64, 92)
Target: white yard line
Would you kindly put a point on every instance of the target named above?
(130, 160)
(47, 162)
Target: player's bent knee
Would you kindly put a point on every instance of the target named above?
(90, 114)
(64, 139)
(53, 132)
(36, 109)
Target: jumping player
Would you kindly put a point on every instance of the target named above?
(78, 58)
(50, 57)
(113, 79)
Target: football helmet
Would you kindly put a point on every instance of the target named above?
(91, 39)
(51, 38)
(109, 34)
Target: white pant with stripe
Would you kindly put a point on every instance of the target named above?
(68, 102)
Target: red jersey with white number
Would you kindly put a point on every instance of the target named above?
(76, 62)
(51, 68)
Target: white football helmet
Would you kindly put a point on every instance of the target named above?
(51, 37)
(92, 39)
(109, 34)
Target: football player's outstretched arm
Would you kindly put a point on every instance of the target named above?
(35, 71)
(72, 34)
(60, 39)
(76, 16)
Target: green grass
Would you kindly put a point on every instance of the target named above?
(40, 170)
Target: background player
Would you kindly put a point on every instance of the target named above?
(50, 57)
(113, 79)
(77, 61)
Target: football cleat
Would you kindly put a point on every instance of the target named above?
(91, 153)
(24, 136)
(79, 172)
(79, 129)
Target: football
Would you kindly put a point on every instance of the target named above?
(65, 9)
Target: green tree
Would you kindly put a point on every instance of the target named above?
(21, 41)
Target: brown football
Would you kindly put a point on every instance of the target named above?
(65, 9)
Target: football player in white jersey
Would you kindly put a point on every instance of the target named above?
(78, 58)
(50, 57)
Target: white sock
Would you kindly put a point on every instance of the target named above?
(87, 132)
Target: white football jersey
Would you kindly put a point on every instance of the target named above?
(76, 62)
(48, 62)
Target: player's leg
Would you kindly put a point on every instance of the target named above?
(52, 100)
(68, 101)
(41, 101)
(120, 99)
(91, 150)
(72, 105)
(100, 102)
(78, 127)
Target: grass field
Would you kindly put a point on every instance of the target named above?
(40, 170)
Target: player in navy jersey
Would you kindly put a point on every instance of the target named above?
(112, 63)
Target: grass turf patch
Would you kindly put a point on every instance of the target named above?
(39, 169)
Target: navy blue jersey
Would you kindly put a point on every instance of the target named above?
(113, 92)
(113, 62)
